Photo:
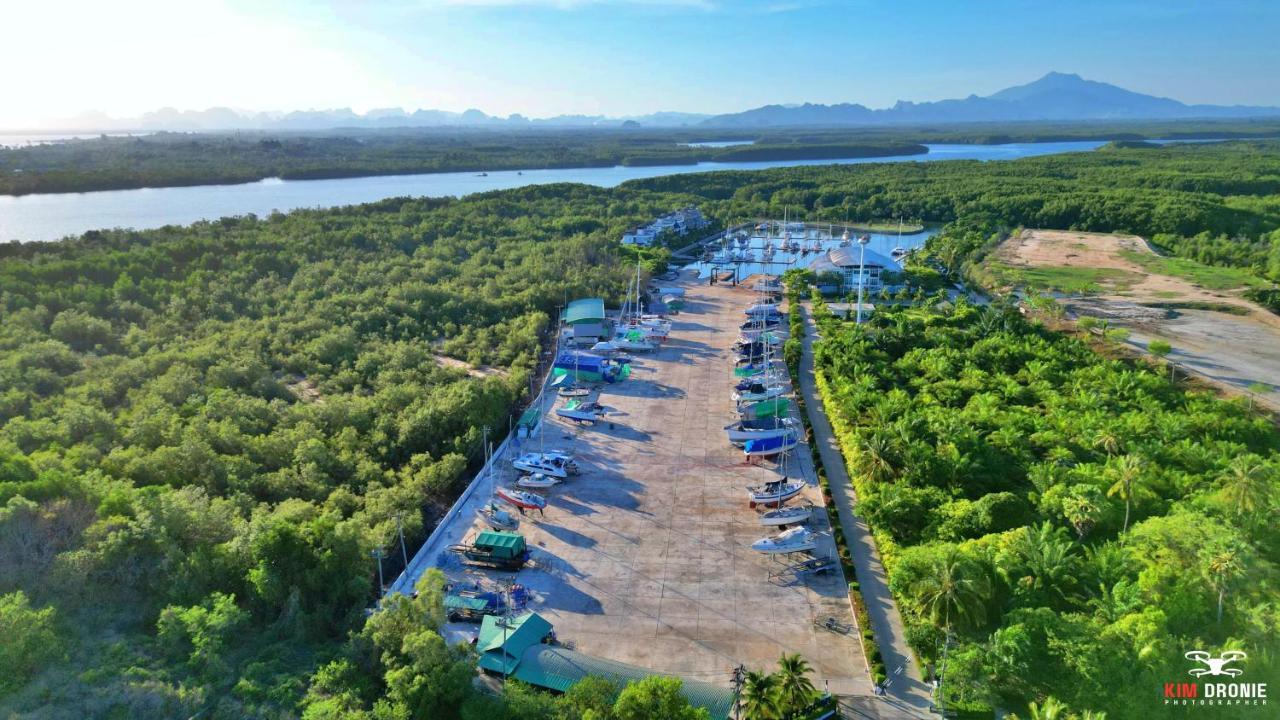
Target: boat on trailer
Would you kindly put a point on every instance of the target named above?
(774, 492)
(791, 515)
(522, 499)
(796, 539)
(553, 463)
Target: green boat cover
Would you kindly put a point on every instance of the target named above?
(501, 544)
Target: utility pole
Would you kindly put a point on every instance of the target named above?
(404, 552)
(862, 272)
(378, 553)
(739, 675)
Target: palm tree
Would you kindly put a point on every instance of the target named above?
(1081, 508)
(760, 697)
(1224, 565)
(1128, 484)
(876, 458)
(795, 690)
(1051, 709)
(953, 589)
(1248, 484)
(1047, 558)
(1108, 441)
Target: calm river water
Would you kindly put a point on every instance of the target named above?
(51, 217)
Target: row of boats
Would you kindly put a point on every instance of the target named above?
(764, 428)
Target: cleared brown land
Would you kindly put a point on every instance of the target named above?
(1232, 350)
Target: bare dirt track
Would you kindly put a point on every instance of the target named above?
(1231, 349)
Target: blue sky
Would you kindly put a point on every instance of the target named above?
(617, 57)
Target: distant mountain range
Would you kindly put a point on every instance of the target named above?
(221, 118)
(1056, 96)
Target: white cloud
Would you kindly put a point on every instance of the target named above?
(574, 4)
(64, 57)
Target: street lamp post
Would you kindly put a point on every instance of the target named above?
(862, 272)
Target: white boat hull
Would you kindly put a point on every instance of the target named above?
(521, 498)
(537, 481)
(786, 516)
(774, 497)
(739, 437)
(794, 540)
(555, 465)
(750, 397)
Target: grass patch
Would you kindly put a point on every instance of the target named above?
(1199, 305)
(1062, 278)
(1206, 276)
(886, 227)
(1167, 294)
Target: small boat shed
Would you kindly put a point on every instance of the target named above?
(528, 423)
(586, 320)
(517, 647)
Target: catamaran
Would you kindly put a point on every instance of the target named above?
(744, 431)
(773, 493)
(582, 412)
(768, 447)
(553, 463)
(791, 515)
(522, 499)
(796, 539)
(538, 481)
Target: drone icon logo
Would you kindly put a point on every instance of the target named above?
(1215, 665)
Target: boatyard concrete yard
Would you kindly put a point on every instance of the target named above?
(645, 557)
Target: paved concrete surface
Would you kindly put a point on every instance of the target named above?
(907, 694)
(645, 557)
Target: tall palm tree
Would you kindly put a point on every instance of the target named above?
(760, 697)
(1248, 484)
(953, 590)
(795, 690)
(1126, 472)
(1224, 565)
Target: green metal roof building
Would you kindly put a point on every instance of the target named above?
(503, 641)
(521, 654)
(586, 310)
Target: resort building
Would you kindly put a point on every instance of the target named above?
(679, 222)
(845, 260)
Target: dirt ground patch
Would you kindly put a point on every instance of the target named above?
(1233, 349)
(481, 371)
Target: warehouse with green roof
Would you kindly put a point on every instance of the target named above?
(519, 648)
(586, 320)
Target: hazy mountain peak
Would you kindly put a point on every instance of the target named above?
(1055, 96)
